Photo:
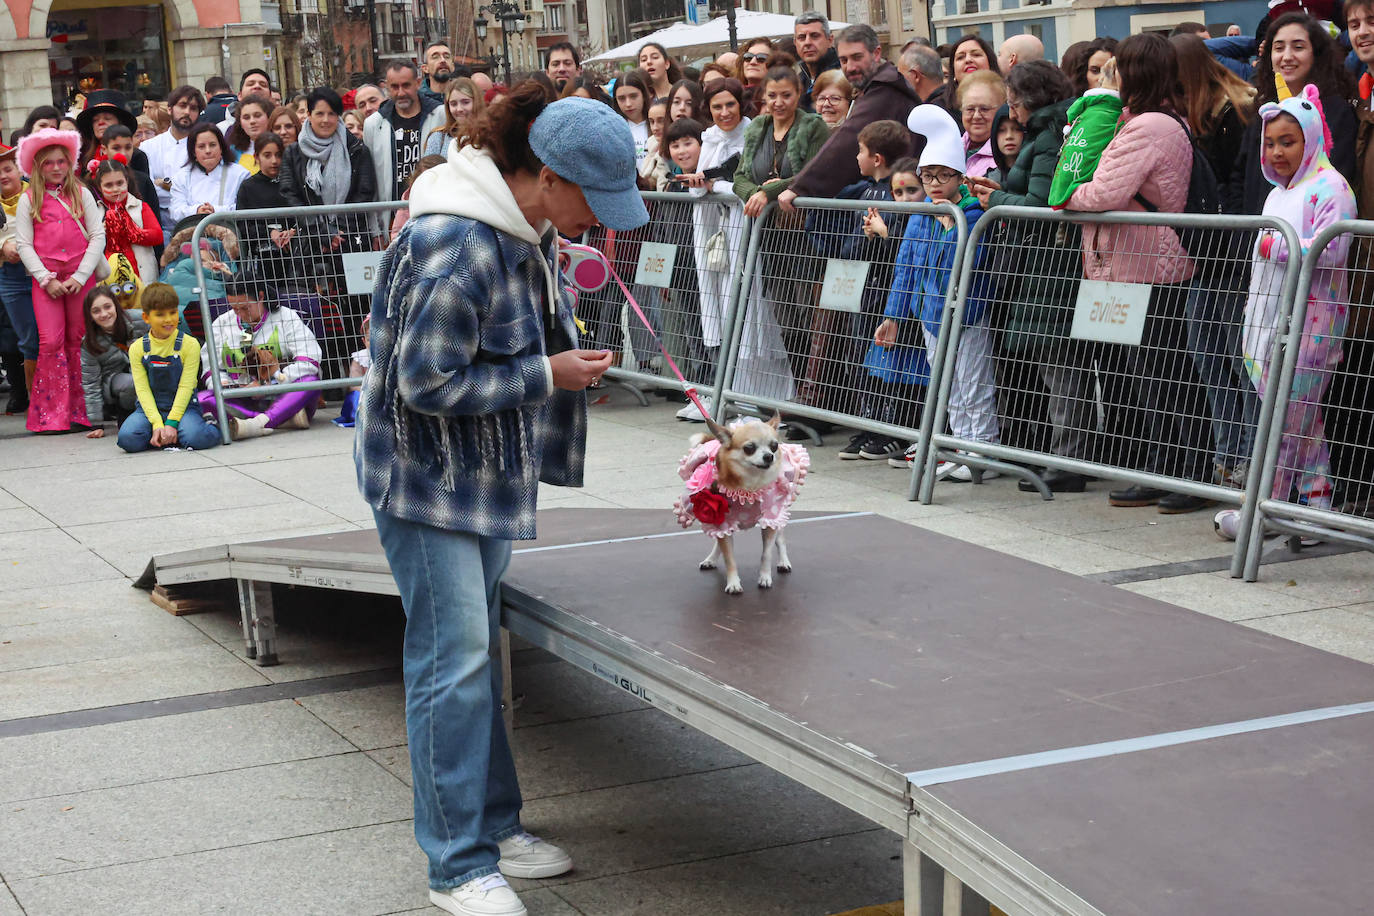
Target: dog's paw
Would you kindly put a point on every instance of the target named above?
(733, 586)
(708, 563)
(784, 567)
(765, 580)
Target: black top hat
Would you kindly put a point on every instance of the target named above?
(111, 100)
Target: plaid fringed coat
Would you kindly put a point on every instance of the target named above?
(460, 420)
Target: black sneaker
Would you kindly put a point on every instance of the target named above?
(854, 450)
(881, 448)
(1181, 503)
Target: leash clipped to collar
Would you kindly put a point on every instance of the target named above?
(590, 271)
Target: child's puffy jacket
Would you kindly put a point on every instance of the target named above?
(924, 263)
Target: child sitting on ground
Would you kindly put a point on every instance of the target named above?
(262, 343)
(922, 279)
(1093, 121)
(890, 392)
(1309, 194)
(164, 363)
(358, 364)
(105, 371)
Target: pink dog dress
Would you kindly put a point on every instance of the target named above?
(722, 511)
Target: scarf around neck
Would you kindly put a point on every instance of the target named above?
(328, 169)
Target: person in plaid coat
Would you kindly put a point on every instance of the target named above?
(475, 395)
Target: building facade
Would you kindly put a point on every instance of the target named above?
(1060, 23)
(54, 49)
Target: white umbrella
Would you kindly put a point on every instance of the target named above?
(713, 36)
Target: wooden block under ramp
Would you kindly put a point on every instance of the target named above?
(196, 598)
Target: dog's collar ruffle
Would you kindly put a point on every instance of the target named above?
(766, 508)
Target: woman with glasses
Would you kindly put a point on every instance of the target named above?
(980, 95)
(832, 95)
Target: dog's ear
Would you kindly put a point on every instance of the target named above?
(720, 432)
(775, 421)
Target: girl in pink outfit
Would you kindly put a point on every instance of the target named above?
(1309, 194)
(60, 233)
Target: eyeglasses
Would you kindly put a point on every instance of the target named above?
(751, 58)
(983, 110)
(940, 177)
(829, 100)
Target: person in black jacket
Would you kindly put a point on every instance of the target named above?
(328, 165)
(270, 243)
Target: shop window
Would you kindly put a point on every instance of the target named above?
(112, 48)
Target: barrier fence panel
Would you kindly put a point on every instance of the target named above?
(811, 302)
(321, 263)
(1318, 477)
(682, 268)
(1114, 375)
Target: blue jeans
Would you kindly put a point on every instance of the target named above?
(136, 433)
(467, 797)
(16, 292)
(1214, 327)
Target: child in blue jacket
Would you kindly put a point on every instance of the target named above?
(925, 264)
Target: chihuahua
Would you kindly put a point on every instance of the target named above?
(738, 477)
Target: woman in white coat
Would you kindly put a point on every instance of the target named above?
(209, 182)
(762, 368)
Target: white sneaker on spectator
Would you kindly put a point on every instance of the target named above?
(526, 856)
(250, 428)
(692, 414)
(1226, 524)
(903, 460)
(299, 420)
(959, 472)
(489, 895)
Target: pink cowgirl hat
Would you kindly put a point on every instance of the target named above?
(30, 146)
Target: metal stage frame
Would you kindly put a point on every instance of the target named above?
(927, 765)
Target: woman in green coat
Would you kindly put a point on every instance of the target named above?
(777, 144)
(1040, 282)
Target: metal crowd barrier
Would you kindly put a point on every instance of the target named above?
(322, 261)
(814, 292)
(1317, 480)
(683, 269)
(1140, 383)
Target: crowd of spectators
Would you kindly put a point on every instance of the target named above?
(818, 114)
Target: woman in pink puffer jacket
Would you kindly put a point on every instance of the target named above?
(1151, 156)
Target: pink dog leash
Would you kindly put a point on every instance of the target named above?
(587, 266)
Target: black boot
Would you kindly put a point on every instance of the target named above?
(19, 392)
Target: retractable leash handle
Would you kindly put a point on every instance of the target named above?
(589, 271)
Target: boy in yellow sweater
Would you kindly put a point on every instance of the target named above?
(165, 363)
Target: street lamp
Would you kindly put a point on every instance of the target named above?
(512, 18)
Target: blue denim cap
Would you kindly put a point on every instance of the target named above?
(587, 143)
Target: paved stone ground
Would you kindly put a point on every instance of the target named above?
(294, 799)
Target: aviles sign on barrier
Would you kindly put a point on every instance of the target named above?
(656, 262)
(360, 271)
(844, 285)
(1111, 312)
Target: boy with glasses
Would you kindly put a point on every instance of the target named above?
(921, 283)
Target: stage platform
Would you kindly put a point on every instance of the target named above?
(1053, 744)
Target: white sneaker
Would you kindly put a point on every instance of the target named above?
(489, 895)
(250, 428)
(526, 856)
(904, 460)
(1226, 524)
(692, 414)
(299, 420)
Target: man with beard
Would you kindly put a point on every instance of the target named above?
(564, 64)
(395, 133)
(437, 67)
(885, 96)
(167, 151)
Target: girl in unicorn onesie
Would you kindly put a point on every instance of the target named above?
(1309, 194)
